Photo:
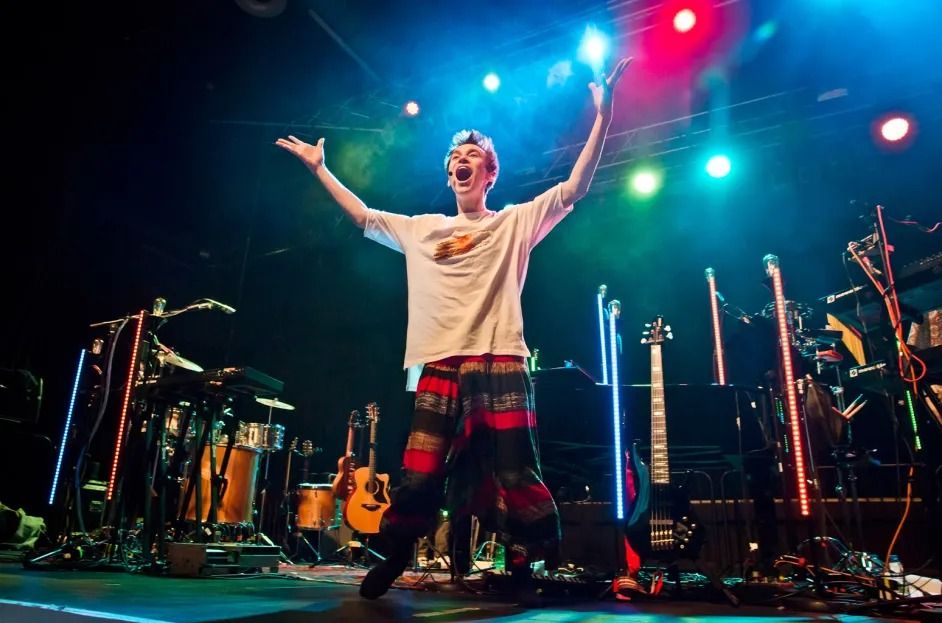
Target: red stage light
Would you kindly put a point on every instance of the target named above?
(894, 129)
(684, 20)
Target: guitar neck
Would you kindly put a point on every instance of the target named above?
(660, 469)
(373, 451)
(350, 435)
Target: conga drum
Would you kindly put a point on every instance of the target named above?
(237, 494)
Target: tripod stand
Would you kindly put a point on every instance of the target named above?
(271, 441)
(354, 544)
(457, 537)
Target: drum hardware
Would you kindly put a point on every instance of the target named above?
(274, 403)
(269, 438)
(293, 522)
(217, 469)
(166, 356)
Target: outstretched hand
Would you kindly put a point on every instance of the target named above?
(602, 93)
(311, 155)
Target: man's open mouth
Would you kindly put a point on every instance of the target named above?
(463, 173)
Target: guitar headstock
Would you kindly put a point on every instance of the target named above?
(656, 332)
(355, 420)
(307, 448)
(294, 445)
(372, 412)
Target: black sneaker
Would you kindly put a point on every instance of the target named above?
(381, 577)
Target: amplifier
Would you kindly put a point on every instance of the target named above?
(209, 559)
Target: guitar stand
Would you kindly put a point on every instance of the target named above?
(452, 561)
(317, 554)
(355, 544)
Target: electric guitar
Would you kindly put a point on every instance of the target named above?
(347, 464)
(307, 451)
(662, 525)
(291, 450)
(370, 496)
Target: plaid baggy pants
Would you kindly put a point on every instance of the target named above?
(473, 450)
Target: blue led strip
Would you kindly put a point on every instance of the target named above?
(68, 424)
(616, 421)
(601, 301)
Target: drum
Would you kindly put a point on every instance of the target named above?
(267, 437)
(173, 420)
(176, 414)
(238, 492)
(317, 508)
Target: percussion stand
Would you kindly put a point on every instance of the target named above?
(358, 540)
(259, 532)
(206, 423)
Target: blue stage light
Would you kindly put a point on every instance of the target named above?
(594, 48)
(491, 82)
(718, 166)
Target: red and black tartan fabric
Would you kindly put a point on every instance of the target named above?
(473, 450)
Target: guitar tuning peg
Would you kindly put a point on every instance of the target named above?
(667, 328)
(670, 336)
(647, 324)
(644, 341)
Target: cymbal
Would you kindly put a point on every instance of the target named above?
(168, 356)
(275, 403)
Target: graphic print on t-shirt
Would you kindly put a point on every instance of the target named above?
(459, 245)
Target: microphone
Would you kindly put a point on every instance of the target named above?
(211, 304)
(733, 310)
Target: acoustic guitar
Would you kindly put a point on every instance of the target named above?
(370, 496)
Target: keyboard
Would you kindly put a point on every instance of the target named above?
(918, 285)
(233, 380)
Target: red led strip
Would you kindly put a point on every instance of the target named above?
(122, 423)
(788, 380)
(717, 335)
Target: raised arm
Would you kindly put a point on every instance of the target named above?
(313, 158)
(579, 180)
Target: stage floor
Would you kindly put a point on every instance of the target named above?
(324, 595)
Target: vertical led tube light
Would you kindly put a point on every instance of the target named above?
(614, 312)
(603, 290)
(718, 355)
(917, 441)
(68, 424)
(772, 269)
(122, 422)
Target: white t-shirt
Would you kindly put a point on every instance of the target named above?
(465, 275)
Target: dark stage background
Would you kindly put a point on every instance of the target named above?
(144, 166)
